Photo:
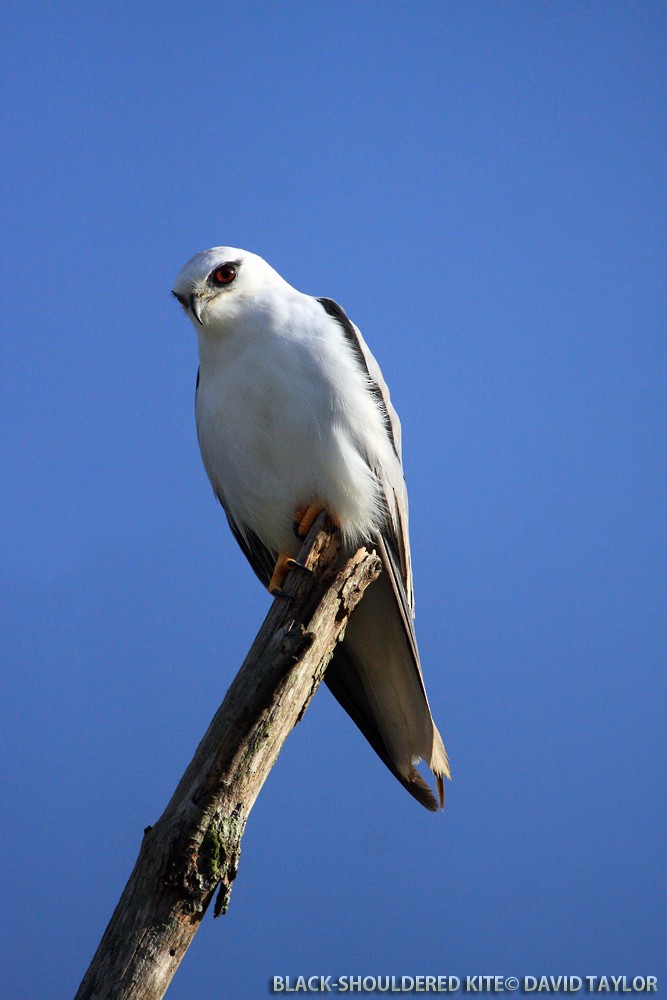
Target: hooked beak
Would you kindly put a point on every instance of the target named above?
(196, 307)
(193, 303)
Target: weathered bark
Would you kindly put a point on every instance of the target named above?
(194, 847)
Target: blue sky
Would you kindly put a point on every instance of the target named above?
(482, 187)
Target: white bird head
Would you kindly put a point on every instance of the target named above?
(216, 285)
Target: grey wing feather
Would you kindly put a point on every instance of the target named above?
(260, 558)
(396, 494)
(376, 674)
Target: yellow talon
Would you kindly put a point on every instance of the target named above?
(280, 571)
(304, 517)
(284, 564)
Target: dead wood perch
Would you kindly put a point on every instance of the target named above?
(194, 847)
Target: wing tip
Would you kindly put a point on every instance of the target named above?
(439, 764)
(440, 785)
(415, 784)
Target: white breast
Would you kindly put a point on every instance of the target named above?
(285, 417)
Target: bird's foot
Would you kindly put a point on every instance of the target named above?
(284, 564)
(304, 518)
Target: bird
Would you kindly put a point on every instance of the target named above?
(294, 417)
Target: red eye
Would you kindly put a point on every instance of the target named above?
(223, 275)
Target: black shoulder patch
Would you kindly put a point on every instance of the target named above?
(198, 374)
(339, 314)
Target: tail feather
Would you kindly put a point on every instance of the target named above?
(375, 676)
(343, 680)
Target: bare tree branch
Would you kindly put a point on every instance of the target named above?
(194, 847)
